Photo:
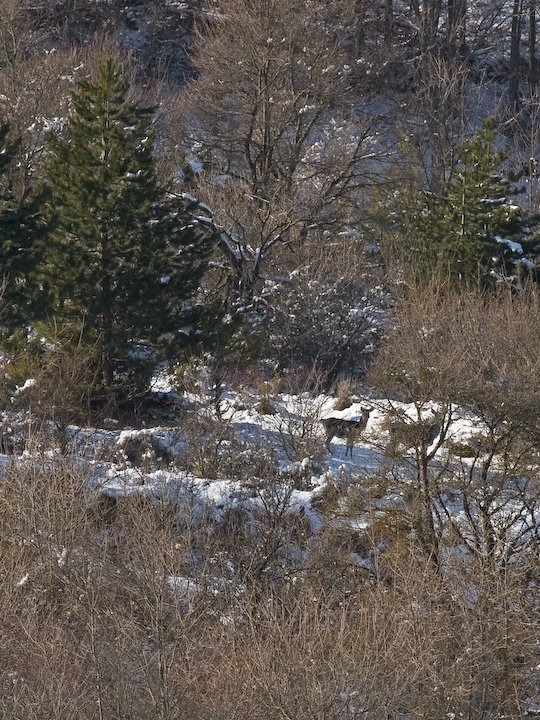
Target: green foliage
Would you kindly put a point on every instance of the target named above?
(470, 231)
(124, 254)
(7, 153)
(20, 230)
(226, 345)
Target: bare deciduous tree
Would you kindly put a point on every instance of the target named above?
(477, 357)
(286, 151)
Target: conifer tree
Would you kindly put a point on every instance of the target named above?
(470, 230)
(20, 230)
(124, 254)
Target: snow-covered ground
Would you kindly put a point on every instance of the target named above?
(171, 463)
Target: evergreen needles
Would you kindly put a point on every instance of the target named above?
(124, 254)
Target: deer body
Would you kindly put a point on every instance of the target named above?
(409, 434)
(346, 429)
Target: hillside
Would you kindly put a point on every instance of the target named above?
(270, 360)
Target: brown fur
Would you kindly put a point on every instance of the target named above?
(350, 430)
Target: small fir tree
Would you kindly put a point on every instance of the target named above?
(470, 230)
(124, 254)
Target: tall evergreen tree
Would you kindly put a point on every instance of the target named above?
(124, 254)
(471, 229)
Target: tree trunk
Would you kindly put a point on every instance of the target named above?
(515, 39)
(388, 20)
(533, 60)
(427, 529)
(106, 312)
(429, 21)
(457, 19)
(359, 12)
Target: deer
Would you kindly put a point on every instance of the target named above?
(347, 429)
(409, 434)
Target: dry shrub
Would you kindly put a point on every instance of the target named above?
(299, 429)
(208, 441)
(44, 674)
(476, 352)
(45, 526)
(265, 406)
(159, 615)
(418, 360)
(64, 389)
(328, 500)
(396, 647)
(472, 347)
(344, 389)
(325, 318)
(333, 570)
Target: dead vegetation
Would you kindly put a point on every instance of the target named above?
(144, 612)
(408, 592)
